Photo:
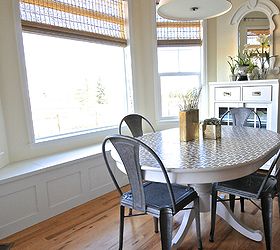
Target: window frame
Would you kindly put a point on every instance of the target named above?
(96, 132)
(203, 80)
(186, 73)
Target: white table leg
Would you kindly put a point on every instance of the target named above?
(203, 191)
(184, 228)
(224, 211)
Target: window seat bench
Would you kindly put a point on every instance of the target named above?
(36, 189)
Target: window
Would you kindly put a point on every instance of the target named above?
(179, 71)
(73, 85)
(179, 62)
(75, 62)
(253, 35)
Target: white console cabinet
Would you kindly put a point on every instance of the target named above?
(261, 95)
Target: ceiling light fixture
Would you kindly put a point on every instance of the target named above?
(192, 9)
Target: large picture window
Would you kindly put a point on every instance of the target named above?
(75, 64)
(73, 85)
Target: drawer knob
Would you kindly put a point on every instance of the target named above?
(227, 93)
(256, 93)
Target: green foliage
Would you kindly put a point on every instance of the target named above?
(251, 67)
(100, 93)
(212, 121)
(232, 65)
(243, 60)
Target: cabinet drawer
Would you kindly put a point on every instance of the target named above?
(259, 93)
(227, 94)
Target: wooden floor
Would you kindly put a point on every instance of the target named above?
(94, 225)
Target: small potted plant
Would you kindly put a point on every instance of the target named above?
(211, 128)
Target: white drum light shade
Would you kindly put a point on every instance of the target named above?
(192, 9)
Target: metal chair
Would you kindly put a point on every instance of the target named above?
(134, 123)
(254, 186)
(161, 200)
(239, 118)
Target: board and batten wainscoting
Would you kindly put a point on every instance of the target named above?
(37, 189)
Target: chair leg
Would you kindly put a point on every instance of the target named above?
(278, 196)
(231, 202)
(156, 224)
(267, 206)
(166, 225)
(213, 215)
(121, 227)
(242, 204)
(197, 221)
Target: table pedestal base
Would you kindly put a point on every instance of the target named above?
(223, 211)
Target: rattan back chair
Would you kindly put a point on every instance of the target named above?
(161, 200)
(256, 186)
(135, 124)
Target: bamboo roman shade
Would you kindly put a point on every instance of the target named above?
(257, 32)
(88, 19)
(178, 33)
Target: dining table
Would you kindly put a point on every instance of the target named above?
(201, 162)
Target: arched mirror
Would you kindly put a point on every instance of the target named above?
(254, 23)
(251, 26)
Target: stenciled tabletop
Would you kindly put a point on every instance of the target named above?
(240, 151)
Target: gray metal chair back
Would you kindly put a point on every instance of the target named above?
(128, 149)
(268, 175)
(134, 123)
(240, 116)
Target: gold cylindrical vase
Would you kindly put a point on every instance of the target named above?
(189, 125)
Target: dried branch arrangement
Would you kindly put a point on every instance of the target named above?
(189, 100)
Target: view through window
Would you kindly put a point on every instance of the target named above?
(74, 86)
(179, 70)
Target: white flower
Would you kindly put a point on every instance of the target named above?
(264, 40)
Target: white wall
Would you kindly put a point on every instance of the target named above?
(4, 153)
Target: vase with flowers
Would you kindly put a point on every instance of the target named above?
(243, 62)
(262, 53)
(189, 115)
(254, 61)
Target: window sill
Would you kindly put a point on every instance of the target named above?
(26, 168)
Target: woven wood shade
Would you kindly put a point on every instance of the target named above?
(178, 33)
(257, 32)
(91, 19)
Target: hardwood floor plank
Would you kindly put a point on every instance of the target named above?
(95, 225)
